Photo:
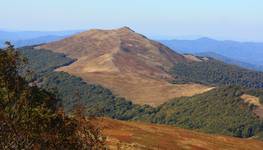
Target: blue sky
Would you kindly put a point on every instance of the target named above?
(222, 19)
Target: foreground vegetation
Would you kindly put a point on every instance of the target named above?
(29, 118)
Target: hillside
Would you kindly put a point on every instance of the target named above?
(214, 72)
(182, 112)
(71, 90)
(223, 110)
(125, 62)
(141, 136)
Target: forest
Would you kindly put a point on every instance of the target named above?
(214, 72)
(220, 110)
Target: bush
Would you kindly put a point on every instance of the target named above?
(29, 118)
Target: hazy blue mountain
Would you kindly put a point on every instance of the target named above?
(25, 35)
(34, 41)
(38, 40)
(247, 52)
(230, 61)
(23, 38)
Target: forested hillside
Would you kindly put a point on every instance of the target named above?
(218, 111)
(97, 100)
(213, 72)
(41, 62)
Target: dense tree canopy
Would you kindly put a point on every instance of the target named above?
(214, 72)
(218, 111)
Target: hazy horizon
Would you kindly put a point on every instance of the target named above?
(167, 19)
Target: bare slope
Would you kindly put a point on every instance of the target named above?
(126, 62)
(255, 101)
(140, 136)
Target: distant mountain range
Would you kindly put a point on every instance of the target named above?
(246, 54)
(24, 38)
(230, 61)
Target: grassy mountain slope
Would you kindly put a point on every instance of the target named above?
(128, 63)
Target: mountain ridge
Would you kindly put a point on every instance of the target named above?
(126, 62)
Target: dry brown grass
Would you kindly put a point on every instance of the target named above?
(255, 101)
(136, 136)
(192, 58)
(139, 89)
(128, 63)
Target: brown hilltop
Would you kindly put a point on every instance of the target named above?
(126, 62)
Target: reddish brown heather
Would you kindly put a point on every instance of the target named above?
(141, 136)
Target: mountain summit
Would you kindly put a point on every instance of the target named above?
(128, 63)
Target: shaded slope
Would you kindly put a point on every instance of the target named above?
(215, 72)
(41, 62)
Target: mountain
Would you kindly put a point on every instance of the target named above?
(26, 35)
(25, 38)
(128, 63)
(183, 112)
(247, 52)
(38, 40)
(216, 73)
(222, 110)
(230, 61)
